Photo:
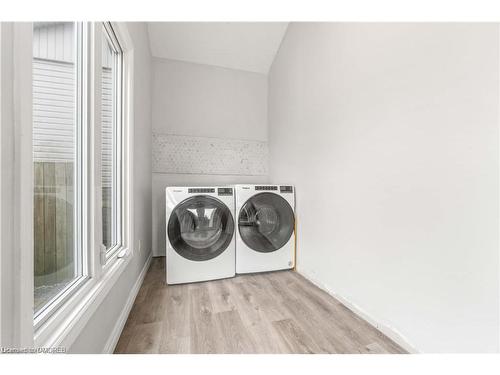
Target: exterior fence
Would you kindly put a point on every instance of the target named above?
(53, 222)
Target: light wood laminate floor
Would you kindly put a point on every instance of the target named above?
(275, 312)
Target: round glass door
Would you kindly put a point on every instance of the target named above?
(266, 222)
(200, 228)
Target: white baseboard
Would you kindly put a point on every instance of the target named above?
(110, 346)
(387, 330)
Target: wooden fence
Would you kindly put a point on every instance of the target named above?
(53, 222)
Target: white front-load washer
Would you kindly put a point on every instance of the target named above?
(265, 234)
(200, 237)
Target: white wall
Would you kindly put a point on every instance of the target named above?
(98, 330)
(16, 192)
(208, 101)
(390, 134)
(204, 101)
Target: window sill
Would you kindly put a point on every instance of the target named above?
(65, 324)
(123, 254)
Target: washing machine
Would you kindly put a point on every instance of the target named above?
(265, 233)
(200, 239)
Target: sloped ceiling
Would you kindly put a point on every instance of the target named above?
(249, 46)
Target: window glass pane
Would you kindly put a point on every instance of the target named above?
(110, 141)
(56, 262)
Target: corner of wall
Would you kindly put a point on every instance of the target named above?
(386, 329)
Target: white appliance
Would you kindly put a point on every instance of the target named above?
(265, 233)
(200, 233)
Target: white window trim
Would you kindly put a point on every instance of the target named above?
(127, 136)
(118, 149)
(16, 255)
(1, 184)
(82, 213)
(65, 323)
(117, 224)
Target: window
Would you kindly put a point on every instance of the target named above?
(76, 147)
(111, 135)
(59, 143)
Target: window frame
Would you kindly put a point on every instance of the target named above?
(81, 212)
(63, 324)
(16, 185)
(118, 130)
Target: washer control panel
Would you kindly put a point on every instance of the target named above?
(200, 190)
(286, 189)
(265, 187)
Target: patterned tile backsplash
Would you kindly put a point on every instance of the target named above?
(201, 155)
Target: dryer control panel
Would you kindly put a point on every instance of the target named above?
(225, 191)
